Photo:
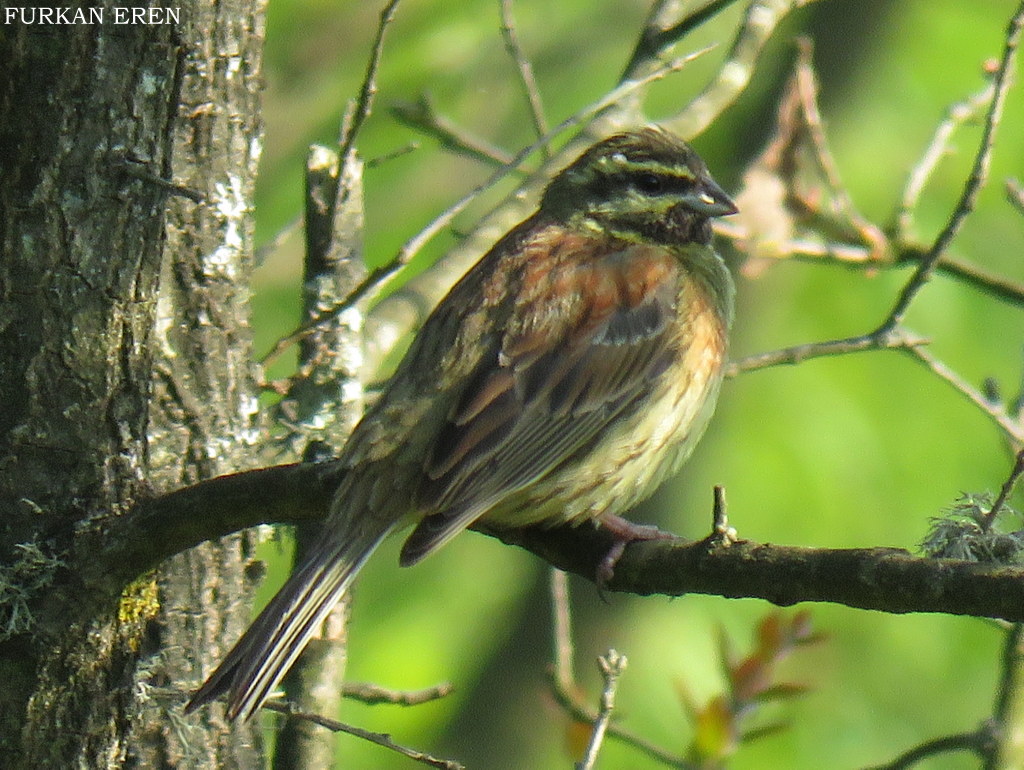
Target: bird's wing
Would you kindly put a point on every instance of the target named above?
(582, 345)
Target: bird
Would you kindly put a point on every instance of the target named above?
(560, 381)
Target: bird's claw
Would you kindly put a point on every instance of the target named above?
(623, 533)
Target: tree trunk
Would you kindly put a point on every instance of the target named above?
(120, 293)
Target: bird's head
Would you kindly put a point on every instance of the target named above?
(645, 185)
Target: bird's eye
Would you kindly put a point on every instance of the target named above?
(649, 184)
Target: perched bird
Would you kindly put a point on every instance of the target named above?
(560, 381)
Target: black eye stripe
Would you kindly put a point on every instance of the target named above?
(651, 183)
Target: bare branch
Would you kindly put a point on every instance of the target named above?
(1006, 490)
(759, 23)
(976, 180)
(525, 69)
(278, 239)
(885, 579)
(859, 257)
(569, 699)
(660, 33)
(894, 339)
(368, 90)
(1015, 194)
(884, 339)
(1010, 424)
(956, 116)
(423, 116)
(1006, 745)
(381, 739)
(973, 742)
(562, 669)
(372, 694)
(612, 665)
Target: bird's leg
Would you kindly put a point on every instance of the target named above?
(623, 533)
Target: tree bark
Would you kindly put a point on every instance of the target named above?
(105, 273)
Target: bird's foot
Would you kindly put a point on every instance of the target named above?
(623, 533)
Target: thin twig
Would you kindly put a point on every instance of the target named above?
(525, 69)
(569, 700)
(1005, 491)
(351, 125)
(368, 90)
(423, 116)
(562, 669)
(722, 535)
(612, 665)
(884, 338)
(656, 38)
(563, 679)
(1015, 193)
(976, 180)
(380, 160)
(759, 22)
(895, 339)
(899, 256)
(1010, 671)
(963, 742)
(372, 694)
(381, 739)
(1005, 746)
(841, 204)
(996, 286)
(1013, 428)
(956, 116)
(268, 248)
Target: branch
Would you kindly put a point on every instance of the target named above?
(611, 665)
(1006, 490)
(1011, 424)
(956, 116)
(884, 579)
(882, 339)
(423, 116)
(1007, 745)
(974, 742)
(1015, 194)
(976, 180)
(368, 90)
(112, 552)
(660, 33)
(319, 409)
(526, 78)
(759, 23)
(381, 739)
(372, 694)
(898, 256)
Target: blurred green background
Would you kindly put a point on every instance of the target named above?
(854, 451)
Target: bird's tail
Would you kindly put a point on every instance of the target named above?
(266, 651)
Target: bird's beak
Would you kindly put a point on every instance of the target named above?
(710, 200)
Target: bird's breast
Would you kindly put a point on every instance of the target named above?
(650, 440)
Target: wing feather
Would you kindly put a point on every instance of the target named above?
(550, 385)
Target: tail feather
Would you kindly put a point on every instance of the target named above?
(266, 651)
